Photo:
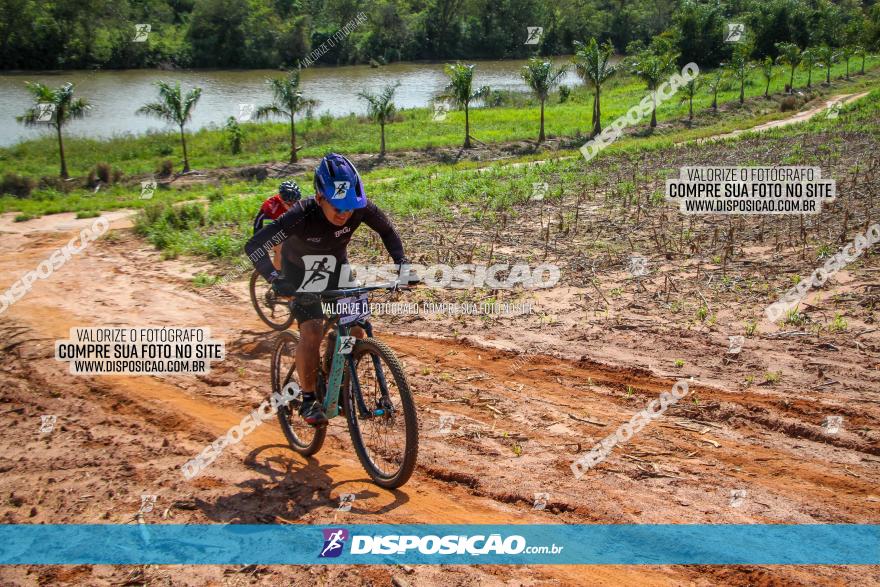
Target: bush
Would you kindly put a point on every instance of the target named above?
(19, 186)
(216, 195)
(185, 216)
(166, 168)
(564, 93)
(103, 171)
(24, 217)
(233, 135)
(148, 217)
(222, 245)
(88, 214)
(55, 183)
(788, 103)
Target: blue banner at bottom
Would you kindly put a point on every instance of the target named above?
(617, 544)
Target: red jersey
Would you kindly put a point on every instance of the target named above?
(271, 209)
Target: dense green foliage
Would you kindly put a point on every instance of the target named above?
(49, 34)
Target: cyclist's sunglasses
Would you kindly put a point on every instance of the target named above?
(335, 209)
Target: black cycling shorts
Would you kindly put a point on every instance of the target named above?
(291, 280)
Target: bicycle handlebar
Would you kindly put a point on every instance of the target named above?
(341, 293)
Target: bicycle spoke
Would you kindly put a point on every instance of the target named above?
(384, 435)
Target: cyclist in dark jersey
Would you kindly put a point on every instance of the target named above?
(320, 228)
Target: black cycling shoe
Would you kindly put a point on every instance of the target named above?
(313, 413)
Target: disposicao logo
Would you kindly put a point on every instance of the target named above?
(334, 541)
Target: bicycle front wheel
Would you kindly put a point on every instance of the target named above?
(381, 414)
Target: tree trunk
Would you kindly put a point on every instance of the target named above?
(654, 111)
(791, 81)
(715, 99)
(64, 174)
(691, 108)
(597, 123)
(828, 75)
(541, 134)
(593, 119)
(742, 89)
(292, 139)
(863, 65)
(185, 156)
(382, 145)
(810, 76)
(847, 69)
(767, 89)
(467, 127)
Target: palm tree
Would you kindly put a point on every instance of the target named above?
(690, 90)
(718, 77)
(381, 109)
(789, 54)
(861, 52)
(287, 100)
(541, 77)
(847, 52)
(740, 67)
(460, 91)
(174, 107)
(63, 107)
(827, 57)
(591, 63)
(768, 73)
(652, 69)
(809, 58)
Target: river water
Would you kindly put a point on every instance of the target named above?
(115, 95)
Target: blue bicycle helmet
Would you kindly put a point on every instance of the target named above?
(337, 179)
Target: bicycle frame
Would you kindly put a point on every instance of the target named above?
(340, 361)
(337, 367)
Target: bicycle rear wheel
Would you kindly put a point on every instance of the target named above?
(274, 312)
(386, 435)
(304, 439)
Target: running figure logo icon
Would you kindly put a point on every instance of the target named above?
(346, 345)
(318, 271)
(341, 189)
(734, 32)
(334, 541)
(533, 34)
(45, 111)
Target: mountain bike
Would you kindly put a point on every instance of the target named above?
(272, 309)
(361, 379)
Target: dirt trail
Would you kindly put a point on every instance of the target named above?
(111, 285)
(518, 426)
(796, 117)
(801, 116)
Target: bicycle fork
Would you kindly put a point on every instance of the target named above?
(338, 364)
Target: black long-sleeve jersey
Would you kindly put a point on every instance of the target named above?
(304, 230)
